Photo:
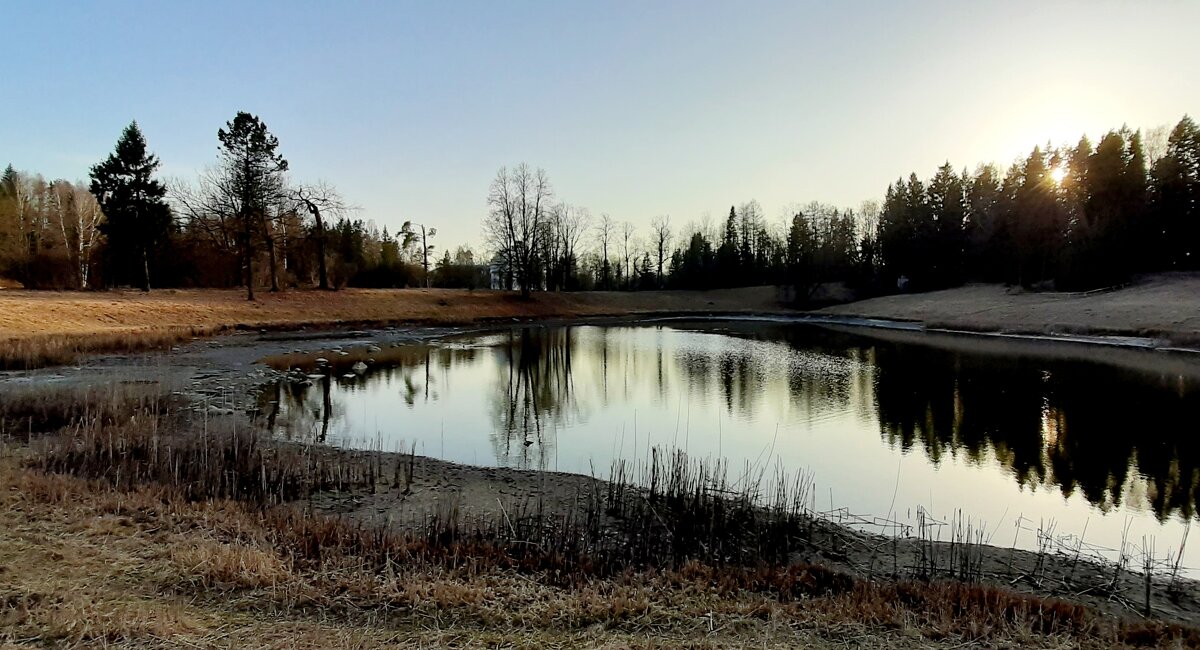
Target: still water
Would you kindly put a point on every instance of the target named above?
(1102, 446)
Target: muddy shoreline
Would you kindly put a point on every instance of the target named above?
(487, 495)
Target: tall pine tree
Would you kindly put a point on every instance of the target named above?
(255, 176)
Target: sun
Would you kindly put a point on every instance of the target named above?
(1058, 174)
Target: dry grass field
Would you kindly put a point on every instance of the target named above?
(39, 328)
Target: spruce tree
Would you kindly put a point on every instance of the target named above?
(1176, 197)
(137, 219)
(8, 182)
(728, 257)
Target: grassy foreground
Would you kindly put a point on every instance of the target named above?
(46, 328)
(131, 527)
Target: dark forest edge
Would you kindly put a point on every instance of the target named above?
(1066, 217)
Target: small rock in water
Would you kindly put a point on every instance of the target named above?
(322, 360)
(349, 375)
(373, 348)
(359, 367)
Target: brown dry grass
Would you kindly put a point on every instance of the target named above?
(42, 328)
(86, 565)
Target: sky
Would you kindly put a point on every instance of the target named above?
(634, 108)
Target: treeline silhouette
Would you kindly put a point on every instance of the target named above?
(242, 222)
(1069, 217)
(1077, 217)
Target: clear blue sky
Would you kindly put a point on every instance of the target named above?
(634, 108)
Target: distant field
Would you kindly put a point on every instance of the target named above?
(1165, 306)
(25, 313)
(38, 328)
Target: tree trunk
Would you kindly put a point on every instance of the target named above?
(145, 270)
(248, 261)
(249, 276)
(425, 255)
(322, 270)
(274, 264)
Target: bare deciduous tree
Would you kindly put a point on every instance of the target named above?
(570, 228)
(662, 243)
(1155, 143)
(868, 220)
(48, 231)
(627, 248)
(78, 217)
(519, 204)
(606, 229)
(320, 200)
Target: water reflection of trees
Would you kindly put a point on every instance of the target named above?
(305, 409)
(533, 395)
(300, 410)
(824, 372)
(1075, 425)
(1078, 426)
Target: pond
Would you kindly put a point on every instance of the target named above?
(1082, 443)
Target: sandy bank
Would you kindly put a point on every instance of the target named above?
(1164, 308)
